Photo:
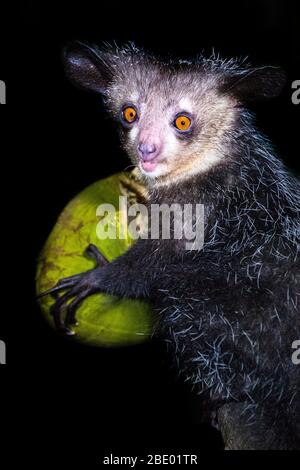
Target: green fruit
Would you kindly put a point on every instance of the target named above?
(103, 320)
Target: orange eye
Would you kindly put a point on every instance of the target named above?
(129, 114)
(183, 123)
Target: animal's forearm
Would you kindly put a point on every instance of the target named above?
(131, 275)
(145, 268)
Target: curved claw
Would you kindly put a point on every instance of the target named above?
(77, 288)
(93, 252)
(63, 284)
(61, 304)
(57, 308)
(66, 331)
(69, 302)
(67, 282)
(73, 306)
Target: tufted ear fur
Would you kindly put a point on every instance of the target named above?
(256, 85)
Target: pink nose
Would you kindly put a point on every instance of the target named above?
(147, 151)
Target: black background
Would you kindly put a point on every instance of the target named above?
(68, 399)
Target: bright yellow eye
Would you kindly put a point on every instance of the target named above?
(129, 114)
(183, 123)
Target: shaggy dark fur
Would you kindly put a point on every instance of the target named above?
(230, 311)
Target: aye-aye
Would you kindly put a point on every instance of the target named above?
(230, 310)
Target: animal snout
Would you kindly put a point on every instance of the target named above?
(148, 151)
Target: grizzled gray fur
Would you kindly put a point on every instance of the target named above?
(231, 311)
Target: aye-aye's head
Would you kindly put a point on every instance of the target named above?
(175, 117)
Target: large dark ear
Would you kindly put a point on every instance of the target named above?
(86, 66)
(257, 84)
